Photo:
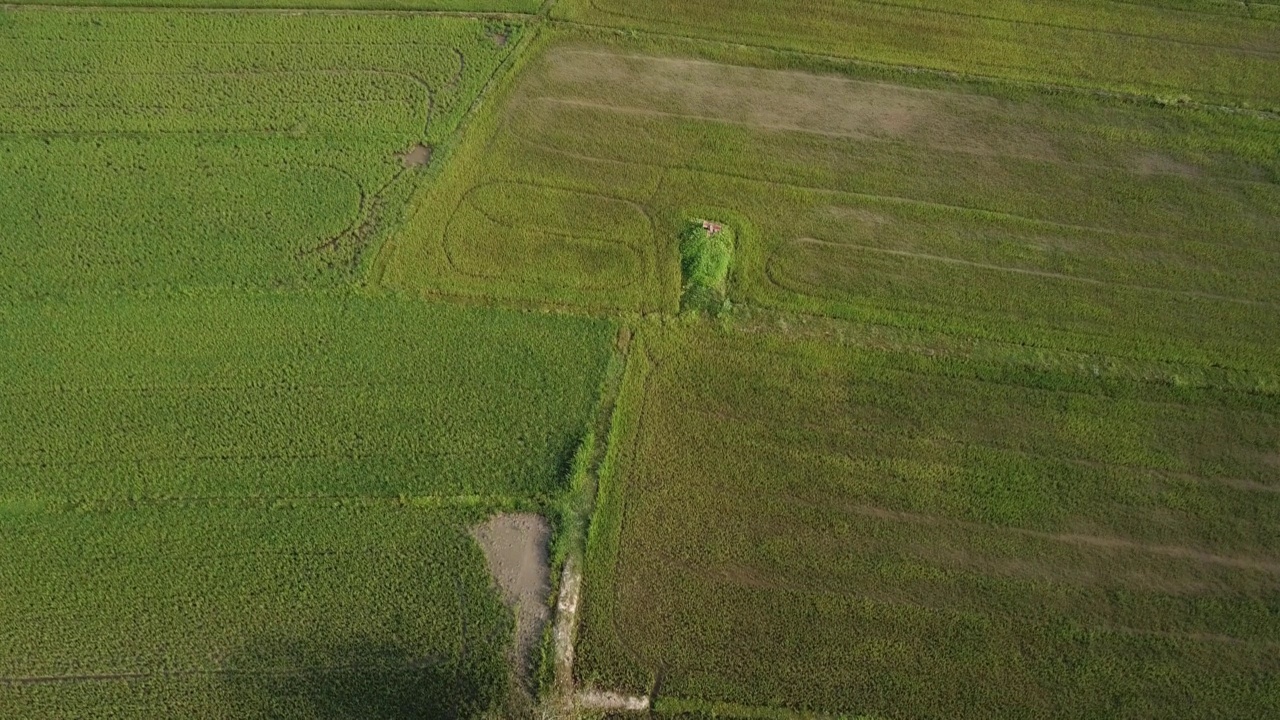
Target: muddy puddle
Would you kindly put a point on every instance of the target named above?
(515, 548)
(417, 156)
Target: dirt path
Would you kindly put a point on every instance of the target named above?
(567, 624)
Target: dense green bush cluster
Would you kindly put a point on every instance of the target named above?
(704, 263)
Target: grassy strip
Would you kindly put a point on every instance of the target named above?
(575, 509)
(601, 656)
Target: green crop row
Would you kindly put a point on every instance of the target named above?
(935, 538)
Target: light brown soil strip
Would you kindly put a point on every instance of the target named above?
(567, 623)
(599, 700)
(1101, 541)
(515, 547)
(1024, 271)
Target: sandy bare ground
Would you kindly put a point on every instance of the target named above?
(515, 547)
(417, 156)
(598, 700)
(567, 623)
(567, 701)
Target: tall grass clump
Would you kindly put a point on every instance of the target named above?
(704, 262)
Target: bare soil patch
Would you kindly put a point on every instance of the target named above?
(789, 100)
(1157, 164)
(500, 39)
(601, 700)
(417, 156)
(515, 548)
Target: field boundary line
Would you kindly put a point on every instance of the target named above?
(565, 699)
(909, 9)
(1022, 271)
(19, 681)
(738, 710)
(277, 10)
(1078, 28)
(1265, 565)
(1211, 13)
(129, 503)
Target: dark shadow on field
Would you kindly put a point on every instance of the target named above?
(368, 680)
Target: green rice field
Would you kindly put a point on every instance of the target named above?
(564, 359)
(143, 151)
(932, 538)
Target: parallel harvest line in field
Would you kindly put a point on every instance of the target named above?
(1073, 28)
(1266, 565)
(1023, 271)
(269, 672)
(860, 431)
(863, 137)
